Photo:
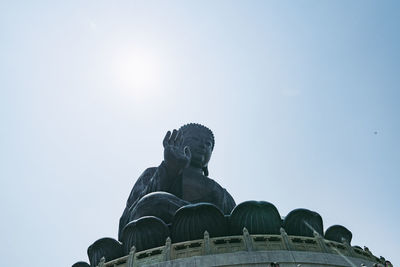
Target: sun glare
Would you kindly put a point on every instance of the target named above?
(137, 71)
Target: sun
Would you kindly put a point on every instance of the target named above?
(137, 70)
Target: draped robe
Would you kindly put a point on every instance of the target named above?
(188, 187)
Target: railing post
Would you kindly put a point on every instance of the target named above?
(247, 240)
(348, 247)
(207, 245)
(321, 241)
(102, 262)
(285, 239)
(131, 257)
(167, 249)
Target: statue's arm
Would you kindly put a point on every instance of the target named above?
(166, 180)
(152, 180)
(168, 176)
(155, 179)
(140, 187)
(138, 191)
(228, 203)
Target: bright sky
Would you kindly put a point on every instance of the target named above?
(302, 96)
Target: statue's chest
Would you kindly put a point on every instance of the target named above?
(197, 188)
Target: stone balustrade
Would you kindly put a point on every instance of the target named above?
(278, 244)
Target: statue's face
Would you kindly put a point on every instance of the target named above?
(201, 147)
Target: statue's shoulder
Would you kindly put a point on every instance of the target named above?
(219, 188)
(149, 172)
(213, 182)
(140, 185)
(146, 175)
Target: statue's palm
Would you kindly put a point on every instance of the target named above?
(175, 156)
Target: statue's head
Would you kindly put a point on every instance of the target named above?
(200, 139)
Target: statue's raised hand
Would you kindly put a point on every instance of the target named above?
(176, 157)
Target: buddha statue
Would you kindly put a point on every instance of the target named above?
(180, 179)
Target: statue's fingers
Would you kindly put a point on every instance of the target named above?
(178, 138)
(166, 138)
(187, 151)
(173, 136)
(180, 141)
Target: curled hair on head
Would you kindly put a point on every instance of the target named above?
(198, 127)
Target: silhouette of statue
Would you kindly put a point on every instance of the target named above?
(180, 179)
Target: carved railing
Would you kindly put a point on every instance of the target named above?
(245, 242)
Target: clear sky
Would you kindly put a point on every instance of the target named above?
(302, 96)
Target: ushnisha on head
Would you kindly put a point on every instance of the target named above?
(200, 140)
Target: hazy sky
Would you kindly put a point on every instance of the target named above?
(302, 96)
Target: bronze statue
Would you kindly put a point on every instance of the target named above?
(180, 179)
(177, 202)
